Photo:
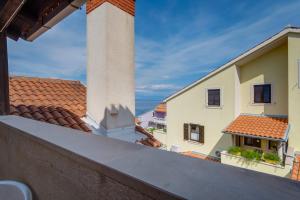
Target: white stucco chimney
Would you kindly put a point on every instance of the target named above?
(110, 63)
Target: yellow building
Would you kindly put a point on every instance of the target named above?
(251, 102)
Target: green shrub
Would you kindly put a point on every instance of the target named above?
(273, 157)
(151, 130)
(235, 150)
(251, 154)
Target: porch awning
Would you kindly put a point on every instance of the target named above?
(260, 126)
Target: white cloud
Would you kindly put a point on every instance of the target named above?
(179, 56)
(157, 87)
(59, 53)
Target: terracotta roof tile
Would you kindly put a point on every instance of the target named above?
(84, 127)
(296, 168)
(49, 100)
(54, 117)
(150, 140)
(54, 101)
(199, 156)
(161, 108)
(260, 126)
(137, 121)
(30, 91)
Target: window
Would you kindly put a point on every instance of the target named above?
(273, 145)
(262, 93)
(213, 97)
(193, 132)
(237, 140)
(160, 126)
(151, 124)
(253, 142)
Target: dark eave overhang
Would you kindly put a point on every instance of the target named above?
(28, 19)
(9, 11)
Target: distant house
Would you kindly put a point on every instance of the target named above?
(145, 118)
(155, 122)
(155, 119)
(159, 117)
(249, 106)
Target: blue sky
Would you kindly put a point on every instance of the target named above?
(177, 41)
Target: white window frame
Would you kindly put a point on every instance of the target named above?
(190, 133)
(252, 94)
(221, 97)
(193, 142)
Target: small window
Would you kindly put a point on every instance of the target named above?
(213, 97)
(237, 140)
(253, 142)
(273, 145)
(262, 93)
(160, 126)
(194, 132)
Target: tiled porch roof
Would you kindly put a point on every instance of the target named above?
(296, 168)
(259, 126)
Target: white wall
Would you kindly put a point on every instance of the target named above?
(110, 67)
(190, 107)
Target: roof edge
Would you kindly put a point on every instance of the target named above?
(264, 115)
(279, 35)
(44, 79)
(254, 136)
(283, 139)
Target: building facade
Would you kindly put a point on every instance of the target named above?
(250, 102)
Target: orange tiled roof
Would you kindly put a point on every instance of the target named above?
(260, 126)
(137, 121)
(60, 102)
(161, 108)
(29, 91)
(150, 140)
(200, 156)
(296, 168)
(54, 101)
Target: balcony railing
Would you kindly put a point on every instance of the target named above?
(61, 163)
(159, 120)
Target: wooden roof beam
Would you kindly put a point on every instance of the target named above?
(4, 79)
(50, 15)
(9, 12)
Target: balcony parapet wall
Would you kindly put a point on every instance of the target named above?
(61, 163)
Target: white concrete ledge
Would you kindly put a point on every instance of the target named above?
(61, 163)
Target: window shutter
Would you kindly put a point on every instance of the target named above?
(186, 131)
(201, 139)
(237, 141)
